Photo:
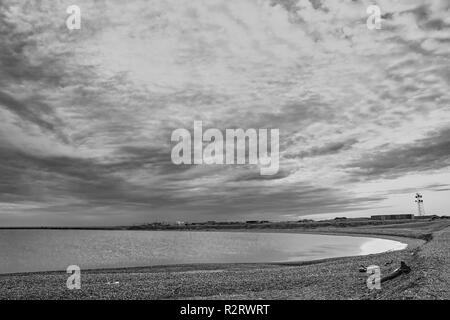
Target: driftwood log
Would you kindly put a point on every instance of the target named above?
(404, 268)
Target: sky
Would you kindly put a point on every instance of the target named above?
(87, 115)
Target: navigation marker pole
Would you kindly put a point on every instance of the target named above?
(420, 206)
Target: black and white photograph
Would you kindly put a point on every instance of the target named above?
(233, 151)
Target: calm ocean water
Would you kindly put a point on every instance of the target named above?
(46, 250)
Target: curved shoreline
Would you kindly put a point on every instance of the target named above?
(333, 278)
(403, 240)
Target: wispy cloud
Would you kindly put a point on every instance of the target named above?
(87, 114)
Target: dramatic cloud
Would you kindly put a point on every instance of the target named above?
(431, 153)
(86, 115)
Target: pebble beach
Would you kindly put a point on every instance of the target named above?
(427, 254)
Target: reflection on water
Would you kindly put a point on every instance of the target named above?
(41, 250)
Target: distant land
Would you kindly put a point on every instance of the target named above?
(305, 224)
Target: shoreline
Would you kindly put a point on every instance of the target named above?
(331, 278)
(410, 242)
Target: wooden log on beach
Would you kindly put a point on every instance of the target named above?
(404, 268)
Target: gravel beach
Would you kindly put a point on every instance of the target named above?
(427, 254)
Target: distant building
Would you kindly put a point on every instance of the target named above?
(392, 217)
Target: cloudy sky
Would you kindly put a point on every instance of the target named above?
(86, 115)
